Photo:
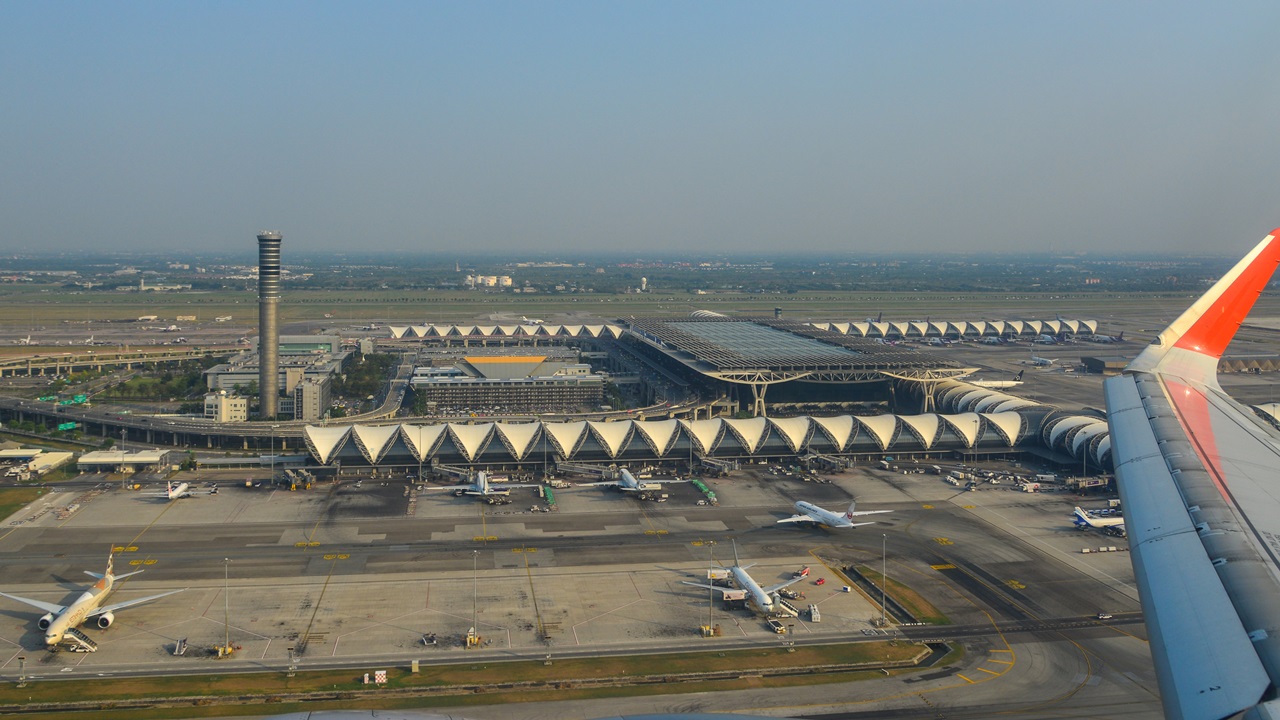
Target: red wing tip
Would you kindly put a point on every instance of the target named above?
(1275, 233)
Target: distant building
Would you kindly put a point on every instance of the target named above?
(221, 407)
(312, 398)
(509, 383)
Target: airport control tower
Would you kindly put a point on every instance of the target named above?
(268, 330)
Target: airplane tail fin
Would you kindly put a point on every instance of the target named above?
(1120, 337)
(848, 514)
(1081, 517)
(1208, 326)
(111, 558)
(1019, 375)
(735, 553)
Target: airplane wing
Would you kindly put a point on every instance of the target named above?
(722, 590)
(130, 603)
(775, 588)
(797, 518)
(868, 512)
(1196, 473)
(851, 525)
(47, 607)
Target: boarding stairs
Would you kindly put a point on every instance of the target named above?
(786, 608)
(77, 641)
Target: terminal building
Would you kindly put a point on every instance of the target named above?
(307, 366)
(501, 383)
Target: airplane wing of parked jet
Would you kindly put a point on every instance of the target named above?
(39, 604)
(130, 603)
(1197, 476)
(59, 609)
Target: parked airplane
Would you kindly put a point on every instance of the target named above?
(1107, 338)
(991, 340)
(999, 384)
(532, 321)
(813, 514)
(482, 487)
(1110, 525)
(23, 341)
(762, 598)
(173, 492)
(628, 482)
(61, 621)
(1042, 362)
(227, 318)
(1197, 475)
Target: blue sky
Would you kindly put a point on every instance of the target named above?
(645, 128)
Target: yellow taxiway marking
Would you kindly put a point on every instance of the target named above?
(524, 550)
(944, 566)
(135, 562)
(300, 544)
(971, 682)
(149, 562)
(1014, 584)
(1002, 662)
(1008, 651)
(968, 507)
(993, 672)
(484, 538)
(927, 507)
(942, 541)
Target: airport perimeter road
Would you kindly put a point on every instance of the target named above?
(355, 576)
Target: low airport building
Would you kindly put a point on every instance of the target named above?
(123, 461)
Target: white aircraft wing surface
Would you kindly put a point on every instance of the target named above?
(779, 586)
(130, 603)
(1197, 473)
(47, 607)
(797, 518)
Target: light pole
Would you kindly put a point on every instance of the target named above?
(473, 638)
(226, 606)
(884, 577)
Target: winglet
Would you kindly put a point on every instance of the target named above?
(1209, 325)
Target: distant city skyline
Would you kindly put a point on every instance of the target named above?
(639, 129)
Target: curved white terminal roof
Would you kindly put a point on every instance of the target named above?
(750, 432)
(471, 439)
(659, 435)
(705, 433)
(422, 439)
(567, 437)
(966, 425)
(958, 328)
(881, 427)
(325, 442)
(838, 429)
(374, 440)
(612, 435)
(1064, 425)
(924, 427)
(793, 431)
(1271, 409)
(398, 331)
(1007, 424)
(1087, 433)
(518, 437)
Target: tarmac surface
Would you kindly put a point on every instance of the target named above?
(357, 576)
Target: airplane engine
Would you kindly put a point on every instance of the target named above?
(105, 620)
(44, 622)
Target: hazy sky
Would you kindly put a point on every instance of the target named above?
(645, 127)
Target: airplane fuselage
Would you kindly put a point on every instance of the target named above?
(762, 599)
(819, 515)
(77, 612)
